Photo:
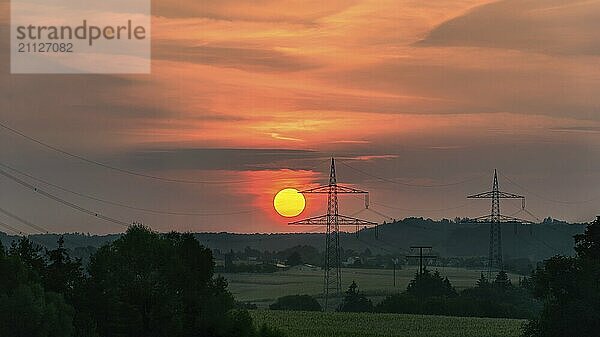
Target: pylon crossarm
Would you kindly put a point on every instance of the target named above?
(342, 220)
(506, 195)
(318, 220)
(506, 218)
(483, 195)
(501, 218)
(490, 194)
(350, 221)
(337, 188)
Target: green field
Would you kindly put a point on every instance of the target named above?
(264, 289)
(338, 324)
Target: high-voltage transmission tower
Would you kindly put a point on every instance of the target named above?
(496, 220)
(332, 280)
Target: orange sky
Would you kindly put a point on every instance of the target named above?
(415, 91)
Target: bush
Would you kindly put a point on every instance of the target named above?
(355, 301)
(295, 259)
(429, 284)
(487, 299)
(296, 302)
(455, 306)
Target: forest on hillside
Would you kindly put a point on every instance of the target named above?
(449, 238)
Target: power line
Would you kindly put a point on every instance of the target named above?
(531, 214)
(62, 201)
(385, 216)
(21, 220)
(11, 228)
(126, 171)
(409, 184)
(118, 204)
(317, 229)
(25, 222)
(566, 202)
(415, 209)
(36, 227)
(421, 209)
(29, 236)
(556, 250)
(374, 244)
(369, 209)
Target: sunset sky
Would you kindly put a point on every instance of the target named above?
(255, 96)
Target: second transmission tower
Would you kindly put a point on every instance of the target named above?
(495, 219)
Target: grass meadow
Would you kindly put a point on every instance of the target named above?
(263, 289)
(342, 324)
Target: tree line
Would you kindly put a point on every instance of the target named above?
(142, 284)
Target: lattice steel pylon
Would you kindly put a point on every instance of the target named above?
(332, 284)
(495, 220)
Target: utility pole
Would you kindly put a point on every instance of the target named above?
(422, 256)
(332, 284)
(495, 219)
(395, 262)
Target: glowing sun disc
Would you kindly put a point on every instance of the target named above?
(289, 202)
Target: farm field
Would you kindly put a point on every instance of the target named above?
(263, 289)
(338, 324)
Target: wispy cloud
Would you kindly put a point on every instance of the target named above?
(423, 90)
(280, 137)
(373, 157)
(576, 129)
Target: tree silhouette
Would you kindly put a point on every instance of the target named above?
(62, 274)
(29, 253)
(483, 282)
(26, 309)
(570, 288)
(142, 284)
(429, 284)
(502, 281)
(355, 301)
(294, 259)
(148, 284)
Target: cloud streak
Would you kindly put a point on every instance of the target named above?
(426, 91)
(542, 26)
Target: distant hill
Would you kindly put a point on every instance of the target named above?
(537, 242)
(447, 237)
